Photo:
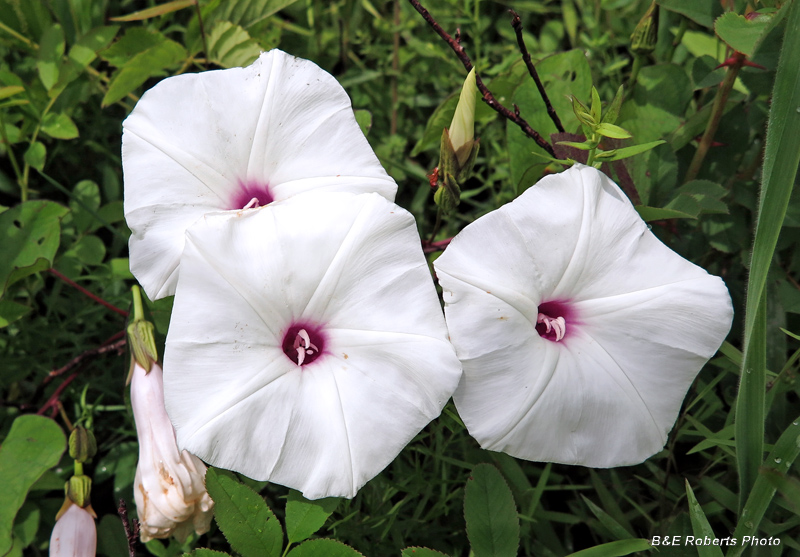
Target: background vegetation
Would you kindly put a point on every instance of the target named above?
(70, 74)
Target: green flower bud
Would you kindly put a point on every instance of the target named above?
(462, 128)
(78, 490)
(140, 335)
(645, 35)
(82, 444)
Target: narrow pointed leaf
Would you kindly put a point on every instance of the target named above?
(156, 11)
(700, 526)
(614, 549)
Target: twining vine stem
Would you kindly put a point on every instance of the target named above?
(488, 98)
(516, 23)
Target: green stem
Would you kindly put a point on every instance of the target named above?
(716, 115)
(9, 151)
(138, 309)
(78, 468)
(30, 44)
(27, 170)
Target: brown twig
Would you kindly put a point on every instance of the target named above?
(488, 98)
(114, 343)
(131, 527)
(94, 297)
(516, 23)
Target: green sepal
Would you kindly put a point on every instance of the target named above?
(625, 152)
(645, 35)
(583, 114)
(596, 105)
(82, 444)
(452, 174)
(78, 490)
(612, 112)
(143, 343)
(585, 146)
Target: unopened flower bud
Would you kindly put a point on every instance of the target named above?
(645, 35)
(75, 534)
(462, 128)
(78, 489)
(82, 444)
(169, 487)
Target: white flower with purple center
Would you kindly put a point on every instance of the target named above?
(307, 345)
(235, 139)
(578, 330)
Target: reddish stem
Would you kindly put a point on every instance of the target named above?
(94, 297)
(52, 402)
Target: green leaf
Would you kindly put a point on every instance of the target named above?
(324, 548)
(203, 552)
(59, 126)
(700, 11)
(247, 13)
(139, 55)
(781, 458)
(111, 539)
(244, 517)
(10, 312)
(364, 120)
(33, 445)
(85, 50)
(26, 524)
(438, 121)
(490, 513)
(32, 233)
(10, 91)
(36, 155)
(84, 204)
(700, 526)
(614, 549)
(649, 214)
(231, 46)
(89, 250)
(616, 529)
(51, 49)
(156, 11)
(740, 33)
(613, 131)
(612, 111)
(304, 517)
(421, 552)
(626, 152)
(781, 160)
(700, 197)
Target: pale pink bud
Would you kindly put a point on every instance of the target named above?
(74, 534)
(169, 487)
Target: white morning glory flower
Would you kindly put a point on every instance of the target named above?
(307, 345)
(74, 535)
(169, 487)
(230, 139)
(578, 330)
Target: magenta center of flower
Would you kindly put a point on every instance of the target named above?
(303, 343)
(250, 194)
(552, 320)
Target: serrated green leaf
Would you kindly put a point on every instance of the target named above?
(324, 548)
(740, 33)
(59, 126)
(305, 517)
(231, 46)
(700, 526)
(614, 549)
(244, 517)
(246, 13)
(33, 445)
(31, 232)
(490, 513)
(36, 155)
(203, 552)
(421, 552)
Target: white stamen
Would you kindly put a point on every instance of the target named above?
(252, 204)
(301, 355)
(556, 324)
(302, 344)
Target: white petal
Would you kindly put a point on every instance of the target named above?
(74, 534)
(169, 486)
(643, 322)
(352, 265)
(193, 138)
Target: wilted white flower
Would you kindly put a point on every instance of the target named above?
(169, 487)
(74, 535)
(230, 139)
(307, 345)
(579, 331)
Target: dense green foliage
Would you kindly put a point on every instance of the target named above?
(69, 76)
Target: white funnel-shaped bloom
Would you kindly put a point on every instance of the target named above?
(579, 331)
(230, 139)
(169, 487)
(307, 345)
